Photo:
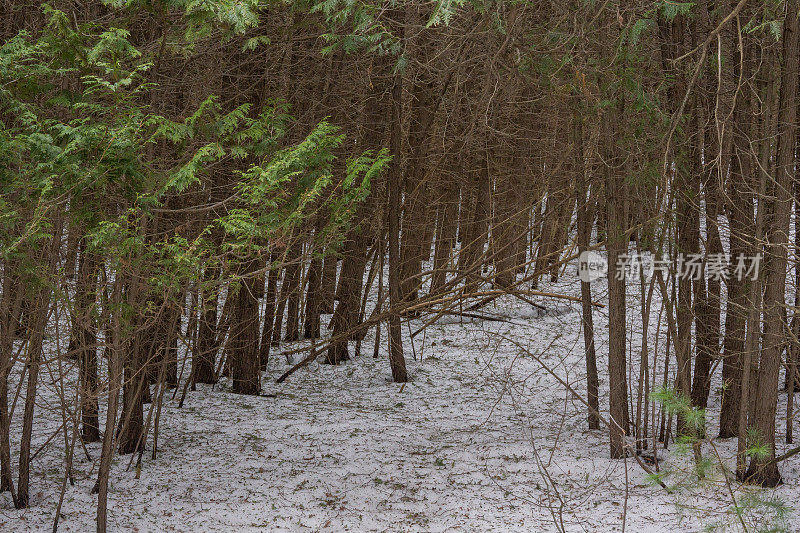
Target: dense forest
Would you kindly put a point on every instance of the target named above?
(580, 213)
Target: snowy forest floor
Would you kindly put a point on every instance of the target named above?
(482, 439)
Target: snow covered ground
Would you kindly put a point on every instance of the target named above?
(482, 439)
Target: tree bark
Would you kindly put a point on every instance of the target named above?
(397, 359)
(617, 245)
(85, 301)
(244, 334)
(762, 469)
(584, 235)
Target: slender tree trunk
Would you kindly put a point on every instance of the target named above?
(345, 317)
(313, 296)
(269, 310)
(688, 223)
(291, 287)
(415, 242)
(280, 309)
(115, 351)
(445, 237)
(762, 469)
(10, 305)
(740, 214)
(584, 234)
(397, 359)
(205, 358)
(34, 359)
(85, 300)
(131, 424)
(617, 245)
(328, 283)
(244, 335)
(477, 202)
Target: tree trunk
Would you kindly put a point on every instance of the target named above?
(10, 306)
(617, 245)
(740, 214)
(244, 334)
(269, 310)
(37, 325)
(762, 469)
(397, 359)
(85, 301)
(328, 283)
(584, 234)
(205, 358)
(447, 226)
(291, 288)
(345, 317)
(314, 296)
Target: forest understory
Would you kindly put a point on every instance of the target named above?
(482, 438)
(399, 265)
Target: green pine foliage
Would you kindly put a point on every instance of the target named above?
(749, 508)
(77, 130)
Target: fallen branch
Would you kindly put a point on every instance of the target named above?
(441, 312)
